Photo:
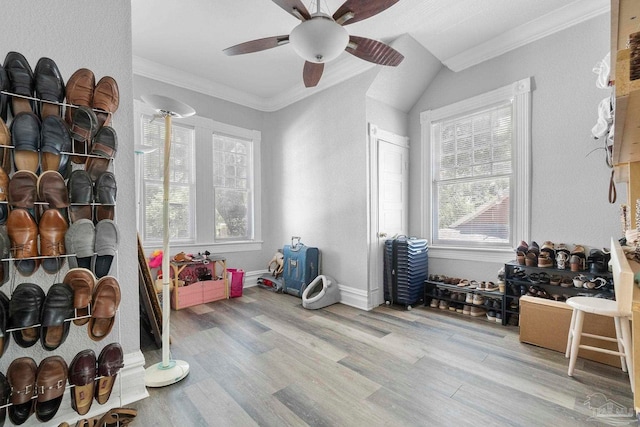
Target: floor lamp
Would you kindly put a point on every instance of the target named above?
(168, 371)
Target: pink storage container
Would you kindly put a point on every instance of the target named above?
(236, 282)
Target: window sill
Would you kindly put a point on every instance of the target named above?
(476, 254)
(216, 248)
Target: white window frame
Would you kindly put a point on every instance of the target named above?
(203, 226)
(519, 93)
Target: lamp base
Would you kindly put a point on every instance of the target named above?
(160, 376)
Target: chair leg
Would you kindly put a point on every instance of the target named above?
(575, 344)
(621, 346)
(628, 351)
(570, 334)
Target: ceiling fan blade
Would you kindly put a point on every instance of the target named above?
(312, 73)
(357, 10)
(257, 45)
(294, 7)
(374, 51)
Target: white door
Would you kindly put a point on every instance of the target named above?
(389, 201)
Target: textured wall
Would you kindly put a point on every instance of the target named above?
(569, 194)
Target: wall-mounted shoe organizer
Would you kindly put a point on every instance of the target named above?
(58, 237)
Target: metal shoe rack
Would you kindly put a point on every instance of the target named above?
(431, 288)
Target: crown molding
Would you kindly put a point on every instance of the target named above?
(336, 72)
(558, 20)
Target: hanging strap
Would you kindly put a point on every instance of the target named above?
(613, 195)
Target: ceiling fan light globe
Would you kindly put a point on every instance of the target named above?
(319, 39)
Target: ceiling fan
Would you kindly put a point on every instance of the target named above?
(320, 38)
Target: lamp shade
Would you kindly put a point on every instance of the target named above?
(319, 39)
(169, 106)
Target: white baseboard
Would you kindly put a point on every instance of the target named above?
(353, 297)
(251, 278)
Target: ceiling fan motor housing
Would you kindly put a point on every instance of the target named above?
(319, 39)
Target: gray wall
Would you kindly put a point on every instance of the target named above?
(569, 194)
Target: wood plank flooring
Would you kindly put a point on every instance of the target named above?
(263, 360)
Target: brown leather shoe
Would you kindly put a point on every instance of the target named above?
(104, 148)
(82, 374)
(80, 87)
(106, 98)
(51, 380)
(106, 299)
(5, 153)
(23, 233)
(52, 227)
(52, 190)
(22, 379)
(82, 281)
(4, 184)
(110, 362)
(23, 188)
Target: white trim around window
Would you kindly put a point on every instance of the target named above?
(520, 94)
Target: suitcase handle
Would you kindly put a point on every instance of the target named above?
(297, 245)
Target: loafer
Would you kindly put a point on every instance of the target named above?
(51, 381)
(106, 299)
(55, 141)
(105, 194)
(49, 86)
(82, 281)
(5, 393)
(110, 361)
(25, 138)
(103, 150)
(5, 142)
(105, 246)
(23, 234)
(57, 307)
(83, 128)
(5, 253)
(79, 91)
(53, 227)
(24, 312)
(52, 190)
(82, 374)
(5, 336)
(5, 86)
(4, 185)
(23, 189)
(21, 376)
(21, 82)
(80, 190)
(106, 98)
(80, 241)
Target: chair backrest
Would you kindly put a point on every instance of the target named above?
(622, 277)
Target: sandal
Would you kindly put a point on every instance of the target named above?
(490, 286)
(117, 417)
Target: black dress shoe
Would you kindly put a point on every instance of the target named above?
(83, 128)
(80, 195)
(55, 139)
(4, 325)
(5, 253)
(25, 137)
(49, 87)
(5, 392)
(58, 306)
(24, 312)
(105, 192)
(5, 86)
(21, 82)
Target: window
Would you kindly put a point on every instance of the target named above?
(478, 186)
(232, 187)
(181, 184)
(215, 188)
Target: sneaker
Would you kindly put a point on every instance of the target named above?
(452, 306)
(434, 303)
(478, 299)
(466, 310)
(469, 298)
(491, 315)
(443, 305)
(477, 311)
(460, 308)
(498, 317)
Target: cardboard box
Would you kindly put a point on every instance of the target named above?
(545, 323)
(198, 293)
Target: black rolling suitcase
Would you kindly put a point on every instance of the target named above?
(406, 267)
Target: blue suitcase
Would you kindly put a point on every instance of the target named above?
(301, 266)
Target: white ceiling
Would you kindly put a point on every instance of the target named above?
(181, 42)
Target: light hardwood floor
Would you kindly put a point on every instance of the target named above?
(263, 360)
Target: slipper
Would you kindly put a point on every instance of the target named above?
(57, 307)
(105, 246)
(80, 189)
(26, 140)
(110, 361)
(105, 194)
(82, 375)
(106, 299)
(106, 99)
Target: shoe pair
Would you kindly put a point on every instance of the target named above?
(27, 380)
(94, 378)
(84, 240)
(46, 83)
(35, 316)
(40, 145)
(83, 192)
